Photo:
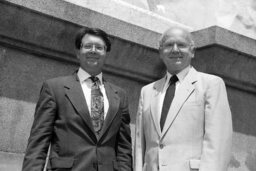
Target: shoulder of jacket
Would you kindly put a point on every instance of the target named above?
(59, 80)
(151, 86)
(210, 79)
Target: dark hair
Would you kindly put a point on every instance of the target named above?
(92, 31)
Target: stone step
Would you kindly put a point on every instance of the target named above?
(10, 161)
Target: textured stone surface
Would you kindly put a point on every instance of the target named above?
(15, 122)
(236, 15)
(237, 71)
(225, 38)
(105, 14)
(227, 63)
(43, 31)
(243, 153)
(22, 74)
(10, 161)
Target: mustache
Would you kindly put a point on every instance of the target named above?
(176, 54)
(92, 54)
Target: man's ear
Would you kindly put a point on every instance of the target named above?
(77, 53)
(193, 50)
(160, 45)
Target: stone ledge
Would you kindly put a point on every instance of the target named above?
(88, 13)
(52, 37)
(228, 39)
(71, 58)
(142, 77)
(133, 26)
(66, 12)
(34, 49)
(239, 84)
(10, 161)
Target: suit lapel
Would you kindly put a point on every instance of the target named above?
(114, 101)
(155, 106)
(181, 95)
(75, 94)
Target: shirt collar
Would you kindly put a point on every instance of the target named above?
(83, 75)
(181, 75)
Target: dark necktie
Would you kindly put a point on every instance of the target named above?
(97, 105)
(168, 99)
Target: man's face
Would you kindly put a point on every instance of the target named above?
(92, 54)
(176, 50)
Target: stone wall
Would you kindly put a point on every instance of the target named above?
(236, 15)
(36, 45)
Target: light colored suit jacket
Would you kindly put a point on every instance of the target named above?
(197, 134)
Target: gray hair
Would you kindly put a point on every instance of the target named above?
(165, 35)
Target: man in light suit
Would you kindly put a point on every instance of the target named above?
(83, 117)
(184, 120)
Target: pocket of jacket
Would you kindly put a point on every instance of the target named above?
(62, 162)
(144, 167)
(194, 164)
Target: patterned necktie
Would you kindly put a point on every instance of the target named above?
(97, 105)
(168, 99)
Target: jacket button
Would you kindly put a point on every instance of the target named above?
(161, 146)
(94, 165)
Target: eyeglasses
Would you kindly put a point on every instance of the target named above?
(175, 46)
(90, 47)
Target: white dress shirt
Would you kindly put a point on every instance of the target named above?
(86, 84)
(181, 75)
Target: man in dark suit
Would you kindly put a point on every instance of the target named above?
(84, 118)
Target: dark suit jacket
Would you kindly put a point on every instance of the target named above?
(62, 119)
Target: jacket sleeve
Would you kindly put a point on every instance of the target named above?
(41, 131)
(139, 138)
(124, 148)
(217, 140)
